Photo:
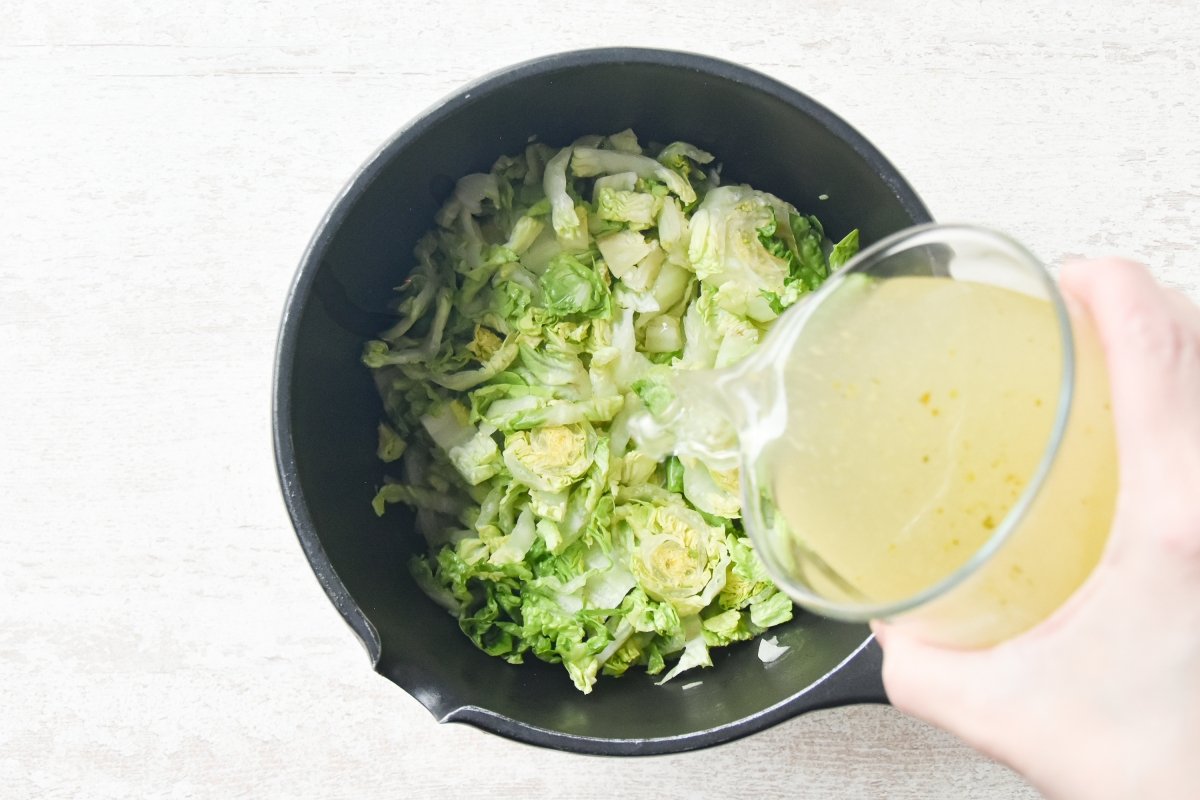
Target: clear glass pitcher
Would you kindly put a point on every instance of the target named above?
(926, 439)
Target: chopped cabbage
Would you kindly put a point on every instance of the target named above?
(551, 304)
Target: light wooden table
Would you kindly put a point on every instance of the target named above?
(162, 168)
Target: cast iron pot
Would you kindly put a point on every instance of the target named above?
(326, 408)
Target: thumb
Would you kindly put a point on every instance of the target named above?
(1151, 341)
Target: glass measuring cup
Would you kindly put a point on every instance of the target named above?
(925, 439)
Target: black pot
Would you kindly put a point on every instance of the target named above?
(326, 407)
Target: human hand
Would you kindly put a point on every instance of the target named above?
(1102, 700)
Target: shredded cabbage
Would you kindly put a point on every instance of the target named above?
(551, 304)
(769, 649)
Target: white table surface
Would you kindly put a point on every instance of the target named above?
(162, 169)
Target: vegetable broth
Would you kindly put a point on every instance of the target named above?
(918, 411)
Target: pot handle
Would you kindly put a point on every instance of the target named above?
(858, 680)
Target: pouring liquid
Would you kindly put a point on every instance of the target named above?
(917, 414)
(908, 419)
